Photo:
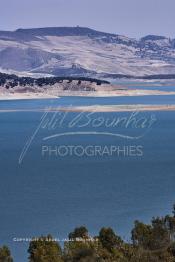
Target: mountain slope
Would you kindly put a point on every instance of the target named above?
(84, 52)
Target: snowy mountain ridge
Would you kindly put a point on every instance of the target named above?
(79, 51)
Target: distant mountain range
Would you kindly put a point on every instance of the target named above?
(79, 51)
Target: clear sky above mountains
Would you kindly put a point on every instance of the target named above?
(134, 18)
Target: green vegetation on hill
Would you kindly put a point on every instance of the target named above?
(154, 242)
(10, 81)
(5, 255)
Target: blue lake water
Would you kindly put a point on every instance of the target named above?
(160, 88)
(50, 194)
(144, 85)
(79, 101)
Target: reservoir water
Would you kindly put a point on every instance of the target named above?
(54, 194)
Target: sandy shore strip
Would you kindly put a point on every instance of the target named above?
(98, 108)
(119, 92)
(99, 93)
(119, 108)
(23, 96)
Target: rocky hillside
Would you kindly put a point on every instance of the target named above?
(77, 51)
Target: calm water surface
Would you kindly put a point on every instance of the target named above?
(56, 194)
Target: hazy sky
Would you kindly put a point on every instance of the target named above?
(134, 18)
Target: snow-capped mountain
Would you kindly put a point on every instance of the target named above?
(83, 51)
